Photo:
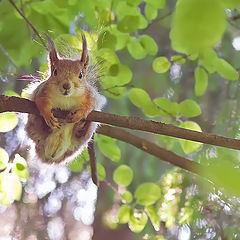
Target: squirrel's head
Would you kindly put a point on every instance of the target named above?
(69, 75)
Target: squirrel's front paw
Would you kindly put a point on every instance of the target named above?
(75, 116)
(52, 122)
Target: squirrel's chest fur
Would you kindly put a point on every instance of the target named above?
(68, 102)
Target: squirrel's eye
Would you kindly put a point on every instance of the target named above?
(80, 75)
(55, 72)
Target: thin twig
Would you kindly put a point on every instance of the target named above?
(29, 23)
(5, 53)
(93, 161)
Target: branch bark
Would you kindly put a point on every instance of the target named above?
(151, 148)
(15, 104)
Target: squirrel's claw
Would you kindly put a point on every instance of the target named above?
(73, 117)
(52, 122)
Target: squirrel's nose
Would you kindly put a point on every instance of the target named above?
(66, 86)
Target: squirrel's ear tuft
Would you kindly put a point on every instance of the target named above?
(85, 57)
(53, 55)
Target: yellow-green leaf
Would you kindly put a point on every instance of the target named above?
(161, 65)
(197, 25)
(136, 49)
(178, 59)
(149, 44)
(187, 145)
(127, 196)
(225, 69)
(124, 214)
(137, 221)
(201, 81)
(153, 217)
(147, 193)
(8, 121)
(109, 148)
(20, 167)
(189, 108)
(123, 175)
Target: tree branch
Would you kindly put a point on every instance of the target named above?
(151, 148)
(15, 104)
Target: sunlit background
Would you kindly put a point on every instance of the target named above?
(59, 204)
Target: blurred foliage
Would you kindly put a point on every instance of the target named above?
(158, 59)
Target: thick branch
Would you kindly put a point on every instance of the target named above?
(15, 104)
(136, 123)
(151, 148)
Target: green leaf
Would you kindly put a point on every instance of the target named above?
(178, 59)
(136, 49)
(149, 44)
(189, 108)
(151, 109)
(77, 164)
(188, 146)
(139, 97)
(225, 69)
(8, 121)
(72, 41)
(207, 59)
(109, 148)
(157, 3)
(44, 69)
(161, 65)
(107, 40)
(128, 24)
(20, 167)
(11, 93)
(153, 217)
(150, 12)
(123, 175)
(134, 2)
(231, 4)
(197, 25)
(108, 57)
(124, 214)
(4, 158)
(137, 221)
(123, 9)
(122, 38)
(147, 193)
(201, 81)
(106, 17)
(127, 196)
(101, 171)
(168, 107)
(224, 174)
(124, 75)
(115, 93)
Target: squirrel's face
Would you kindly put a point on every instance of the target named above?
(68, 75)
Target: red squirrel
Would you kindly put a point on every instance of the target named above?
(70, 88)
